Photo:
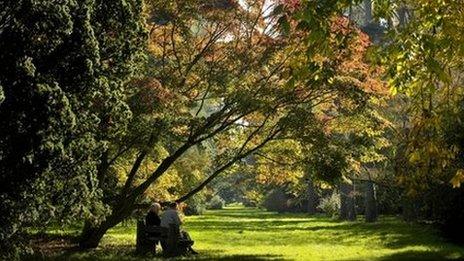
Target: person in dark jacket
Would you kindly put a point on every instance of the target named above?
(152, 218)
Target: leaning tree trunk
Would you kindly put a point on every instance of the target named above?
(312, 198)
(92, 234)
(347, 203)
(370, 202)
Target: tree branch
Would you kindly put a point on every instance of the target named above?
(226, 166)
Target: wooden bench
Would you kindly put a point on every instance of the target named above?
(169, 238)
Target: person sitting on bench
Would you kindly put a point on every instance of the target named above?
(152, 218)
(171, 216)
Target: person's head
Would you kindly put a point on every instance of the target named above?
(172, 205)
(155, 208)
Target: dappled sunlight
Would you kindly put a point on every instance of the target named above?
(297, 237)
(241, 129)
(254, 234)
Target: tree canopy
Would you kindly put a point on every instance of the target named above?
(108, 105)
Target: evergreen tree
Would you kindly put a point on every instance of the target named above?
(65, 65)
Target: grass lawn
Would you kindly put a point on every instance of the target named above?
(251, 234)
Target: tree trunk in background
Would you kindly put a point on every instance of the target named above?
(370, 202)
(410, 210)
(352, 204)
(350, 12)
(343, 202)
(402, 16)
(347, 204)
(367, 12)
(312, 198)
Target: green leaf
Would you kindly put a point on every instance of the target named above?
(437, 69)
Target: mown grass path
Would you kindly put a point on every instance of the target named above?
(252, 234)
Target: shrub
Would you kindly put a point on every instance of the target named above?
(216, 202)
(248, 203)
(276, 200)
(194, 206)
(330, 204)
(194, 210)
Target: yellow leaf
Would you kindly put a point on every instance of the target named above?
(414, 157)
(458, 178)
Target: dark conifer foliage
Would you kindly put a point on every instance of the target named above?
(64, 68)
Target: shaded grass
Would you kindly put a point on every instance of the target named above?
(252, 234)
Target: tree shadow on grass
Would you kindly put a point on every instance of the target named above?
(255, 213)
(127, 253)
(390, 232)
(394, 235)
(241, 257)
(119, 252)
(264, 225)
(220, 255)
(421, 255)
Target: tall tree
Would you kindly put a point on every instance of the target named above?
(225, 69)
(64, 68)
(425, 65)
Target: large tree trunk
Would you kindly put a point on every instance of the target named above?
(92, 234)
(347, 203)
(312, 198)
(370, 202)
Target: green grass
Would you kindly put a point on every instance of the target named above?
(249, 234)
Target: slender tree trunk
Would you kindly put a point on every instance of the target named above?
(402, 16)
(410, 210)
(343, 215)
(312, 198)
(226, 166)
(370, 202)
(347, 204)
(367, 12)
(103, 166)
(351, 205)
(350, 12)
